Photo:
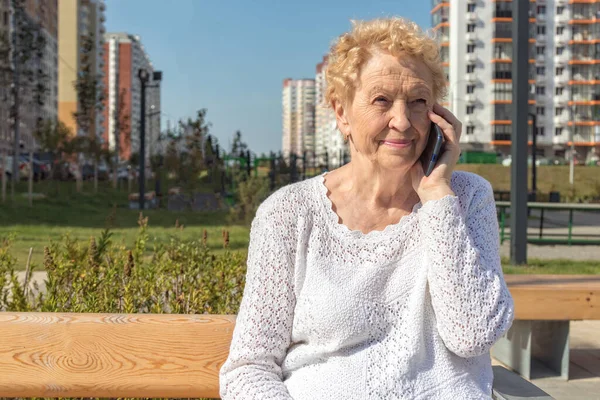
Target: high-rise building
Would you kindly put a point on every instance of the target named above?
(124, 57)
(298, 102)
(329, 143)
(564, 76)
(43, 15)
(77, 20)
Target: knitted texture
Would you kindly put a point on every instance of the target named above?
(409, 312)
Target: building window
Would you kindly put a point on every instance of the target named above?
(470, 130)
(540, 110)
(541, 9)
(558, 131)
(559, 91)
(560, 30)
(502, 71)
(502, 132)
(540, 90)
(470, 109)
(470, 48)
(540, 50)
(470, 7)
(540, 70)
(541, 29)
(559, 50)
(470, 89)
(559, 70)
(540, 131)
(471, 28)
(558, 111)
(470, 68)
(560, 10)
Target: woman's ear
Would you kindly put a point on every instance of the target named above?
(341, 117)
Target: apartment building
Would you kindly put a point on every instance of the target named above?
(78, 19)
(328, 139)
(124, 56)
(564, 76)
(298, 115)
(42, 14)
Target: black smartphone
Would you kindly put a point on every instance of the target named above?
(435, 144)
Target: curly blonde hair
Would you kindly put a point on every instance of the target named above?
(393, 35)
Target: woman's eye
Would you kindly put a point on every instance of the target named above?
(380, 99)
(420, 101)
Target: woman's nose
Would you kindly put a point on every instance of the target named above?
(400, 117)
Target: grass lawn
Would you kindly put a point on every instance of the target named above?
(83, 215)
(549, 178)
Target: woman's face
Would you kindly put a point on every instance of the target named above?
(387, 121)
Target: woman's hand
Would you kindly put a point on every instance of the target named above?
(437, 184)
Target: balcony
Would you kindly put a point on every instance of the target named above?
(540, 38)
(472, 17)
(560, 120)
(470, 119)
(471, 78)
(561, 19)
(540, 59)
(561, 100)
(541, 17)
(471, 58)
(561, 80)
(471, 37)
(470, 98)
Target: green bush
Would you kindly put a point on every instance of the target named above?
(181, 277)
(249, 194)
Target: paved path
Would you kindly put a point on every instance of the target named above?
(549, 252)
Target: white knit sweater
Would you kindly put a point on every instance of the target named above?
(409, 312)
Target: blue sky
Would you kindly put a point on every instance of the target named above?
(232, 56)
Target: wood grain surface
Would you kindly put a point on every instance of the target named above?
(112, 355)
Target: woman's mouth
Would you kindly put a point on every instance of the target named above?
(397, 143)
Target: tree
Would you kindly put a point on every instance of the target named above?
(121, 119)
(90, 102)
(52, 137)
(29, 81)
(193, 160)
(238, 147)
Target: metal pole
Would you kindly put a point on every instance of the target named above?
(4, 152)
(30, 187)
(533, 155)
(519, 136)
(572, 138)
(142, 153)
(17, 104)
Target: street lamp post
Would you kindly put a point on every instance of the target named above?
(144, 77)
(533, 156)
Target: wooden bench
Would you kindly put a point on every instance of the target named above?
(538, 341)
(134, 355)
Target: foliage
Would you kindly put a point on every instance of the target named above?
(249, 194)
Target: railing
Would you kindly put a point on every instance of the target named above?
(557, 238)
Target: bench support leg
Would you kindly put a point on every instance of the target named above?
(533, 347)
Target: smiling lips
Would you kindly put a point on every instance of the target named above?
(397, 143)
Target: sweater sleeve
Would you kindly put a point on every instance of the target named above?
(470, 299)
(264, 322)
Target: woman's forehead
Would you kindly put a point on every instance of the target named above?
(386, 70)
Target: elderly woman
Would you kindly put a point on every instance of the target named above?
(374, 281)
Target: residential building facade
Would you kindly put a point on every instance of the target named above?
(298, 109)
(330, 147)
(124, 57)
(564, 59)
(79, 19)
(32, 110)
